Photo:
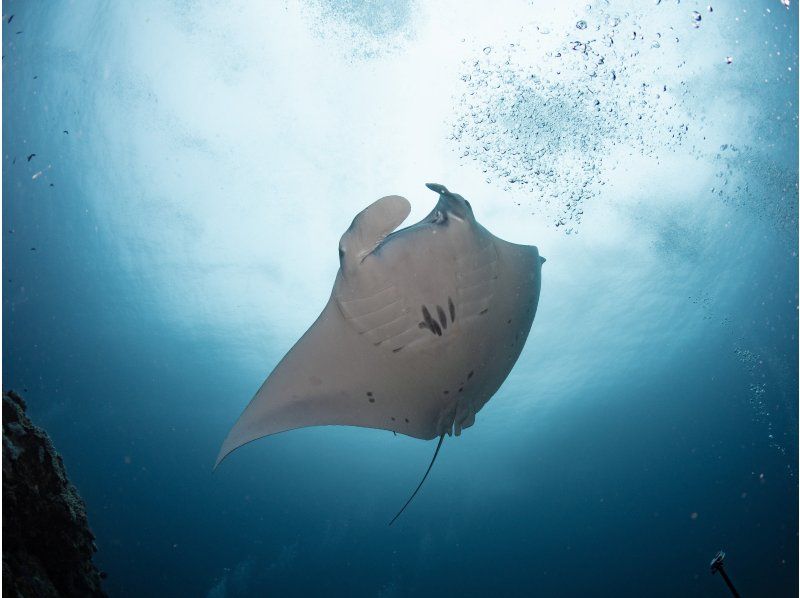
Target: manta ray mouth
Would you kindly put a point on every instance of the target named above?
(439, 216)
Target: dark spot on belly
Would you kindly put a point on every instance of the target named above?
(447, 392)
(406, 420)
(369, 393)
(442, 316)
(461, 389)
(371, 400)
(393, 419)
(471, 373)
(452, 309)
(397, 350)
(484, 311)
(429, 322)
(509, 322)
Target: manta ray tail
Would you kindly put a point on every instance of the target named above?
(438, 446)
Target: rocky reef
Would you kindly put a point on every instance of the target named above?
(47, 544)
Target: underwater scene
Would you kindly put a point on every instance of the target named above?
(551, 245)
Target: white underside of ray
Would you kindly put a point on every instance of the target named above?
(421, 329)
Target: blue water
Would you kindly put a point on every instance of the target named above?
(162, 254)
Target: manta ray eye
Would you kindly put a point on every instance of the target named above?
(341, 253)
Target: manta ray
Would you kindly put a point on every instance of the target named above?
(422, 327)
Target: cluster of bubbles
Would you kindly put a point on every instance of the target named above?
(363, 30)
(705, 302)
(541, 115)
(758, 397)
(750, 181)
(709, 311)
(747, 358)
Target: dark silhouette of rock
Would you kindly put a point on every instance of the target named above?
(47, 544)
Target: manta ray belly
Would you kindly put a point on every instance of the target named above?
(449, 339)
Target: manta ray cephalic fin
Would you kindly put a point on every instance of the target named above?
(371, 226)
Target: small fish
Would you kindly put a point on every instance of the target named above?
(66, 132)
(11, 18)
(31, 157)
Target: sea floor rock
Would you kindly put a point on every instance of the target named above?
(47, 543)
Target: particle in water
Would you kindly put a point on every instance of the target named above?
(581, 24)
(696, 18)
(487, 50)
(729, 59)
(785, 3)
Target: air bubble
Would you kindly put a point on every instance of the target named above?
(541, 130)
